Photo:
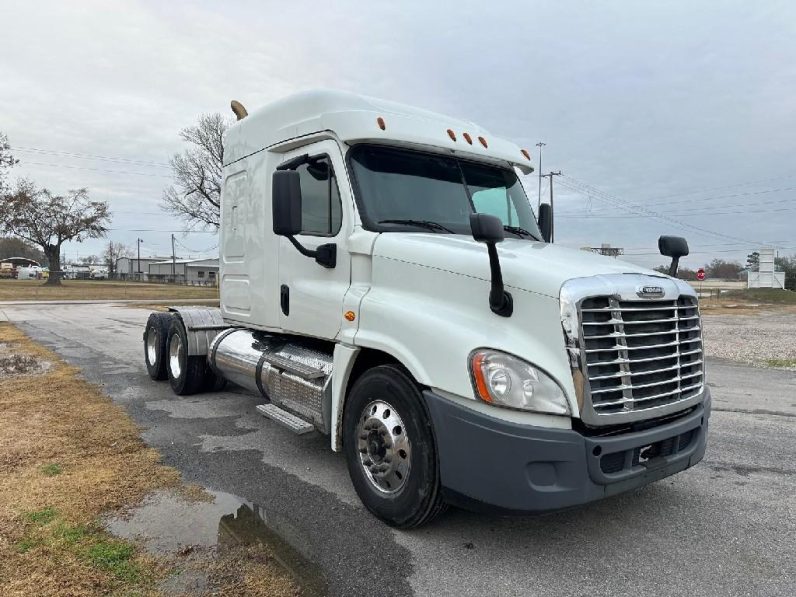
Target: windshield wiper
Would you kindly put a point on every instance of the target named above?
(419, 223)
(519, 231)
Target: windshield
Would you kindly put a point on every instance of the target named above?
(400, 189)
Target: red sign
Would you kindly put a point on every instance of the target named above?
(700, 274)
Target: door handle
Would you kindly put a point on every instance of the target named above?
(284, 299)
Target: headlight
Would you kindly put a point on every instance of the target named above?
(505, 380)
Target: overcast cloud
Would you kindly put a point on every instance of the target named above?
(646, 102)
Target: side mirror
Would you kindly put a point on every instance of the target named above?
(489, 229)
(286, 212)
(546, 222)
(674, 247)
(286, 202)
(486, 228)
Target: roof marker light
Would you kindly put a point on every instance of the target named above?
(526, 154)
(483, 141)
(380, 122)
(468, 138)
(451, 134)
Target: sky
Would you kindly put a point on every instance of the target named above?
(664, 117)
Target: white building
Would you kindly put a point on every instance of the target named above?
(766, 276)
(130, 267)
(190, 271)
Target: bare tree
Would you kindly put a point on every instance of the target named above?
(195, 195)
(114, 252)
(48, 220)
(6, 161)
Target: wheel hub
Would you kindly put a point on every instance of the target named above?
(152, 346)
(175, 355)
(384, 448)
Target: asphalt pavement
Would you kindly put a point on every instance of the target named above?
(724, 527)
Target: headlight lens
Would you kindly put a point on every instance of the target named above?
(505, 380)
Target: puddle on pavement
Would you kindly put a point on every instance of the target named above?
(167, 524)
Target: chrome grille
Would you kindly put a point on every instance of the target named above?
(640, 354)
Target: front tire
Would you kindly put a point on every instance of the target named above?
(390, 451)
(186, 373)
(155, 340)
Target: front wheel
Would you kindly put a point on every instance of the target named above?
(389, 447)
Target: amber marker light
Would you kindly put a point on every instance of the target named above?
(478, 375)
(526, 154)
(451, 134)
(468, 138)
(483, 141)
(350, 316)
(381, 123)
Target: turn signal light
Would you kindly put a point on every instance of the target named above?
(478, 375)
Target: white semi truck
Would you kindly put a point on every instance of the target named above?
(385, 281)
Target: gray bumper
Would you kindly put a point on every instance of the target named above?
(486, 461)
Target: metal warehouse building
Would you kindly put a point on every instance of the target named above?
(190, 271)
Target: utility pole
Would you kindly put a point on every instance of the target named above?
(173, 261)
(550, 175)
(540, 145)
(138, 242)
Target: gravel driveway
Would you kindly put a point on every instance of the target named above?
(757, 339)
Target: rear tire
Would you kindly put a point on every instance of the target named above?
(155, 339)
(186, 373)
(390, 450)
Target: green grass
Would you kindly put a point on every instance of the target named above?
(51, 470)
(115, 557)
(763, 295)
(43, 516)
(783, 363)
(27, 543)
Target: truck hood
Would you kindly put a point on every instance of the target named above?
(527, 265)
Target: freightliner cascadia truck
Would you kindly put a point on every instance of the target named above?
(385, 281)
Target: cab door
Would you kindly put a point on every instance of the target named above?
(311, 295)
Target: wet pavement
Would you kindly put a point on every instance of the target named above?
(168, 523)
(725, 527)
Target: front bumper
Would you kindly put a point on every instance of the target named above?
(485, 461)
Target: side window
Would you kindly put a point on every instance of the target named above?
(321, 209)
(496, 202)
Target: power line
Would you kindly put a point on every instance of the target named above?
(598, 194)
(90, 156)
(50, 165)
(685, 215)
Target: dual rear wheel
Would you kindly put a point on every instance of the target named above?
(166, 356)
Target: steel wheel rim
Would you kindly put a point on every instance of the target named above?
(175, 354)
(384, 447)
(152, 342)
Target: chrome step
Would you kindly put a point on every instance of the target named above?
(296, 424)
(293, 366)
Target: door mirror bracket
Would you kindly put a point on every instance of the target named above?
(489, 230)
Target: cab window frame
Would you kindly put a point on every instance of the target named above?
(335, 179)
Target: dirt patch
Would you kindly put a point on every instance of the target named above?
(68, 458)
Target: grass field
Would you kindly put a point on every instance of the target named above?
(68, 457)
(34, 290)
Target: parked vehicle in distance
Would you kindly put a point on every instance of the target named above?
(33, 272)
(7, 270)
(385, 281)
